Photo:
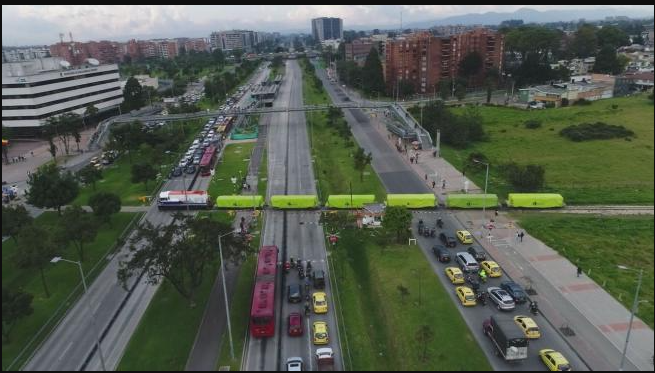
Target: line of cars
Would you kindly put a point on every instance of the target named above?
(105, 159)
(191, 159)
(472, 269)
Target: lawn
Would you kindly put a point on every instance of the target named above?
(384, 338)
(600, 244)
(116, 177)
(234, 163)
(61, 280)
(333, 162)
(591, 172)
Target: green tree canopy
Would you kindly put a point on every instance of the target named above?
(36, 247)
(79, 227)
(142, 173)
(372, 76)
(14, 218)
(16, 304)
(89, 174)
(132, 95)
(397, 221)
(470, 65)
(104, 205)
(612, 36)
(607, 61)
(50, 188)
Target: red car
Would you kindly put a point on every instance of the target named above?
(295, 324)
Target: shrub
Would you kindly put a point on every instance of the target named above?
(476, 156)
(528, 178)
(595, 131)
(532, 123)
(549, 105)
(582, 102)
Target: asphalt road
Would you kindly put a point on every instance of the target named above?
(296, 234)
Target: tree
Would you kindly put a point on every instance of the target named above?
(470, 65)
(372, 76)
(585, 41)
(424, 335)
(90, 111)
(403, 292)
(89, 174)
(460, 91)
(49, 188)
(445, 88)
(63, 126)
(336, 220)
(16, 304)
(607, 61)
(179, 252)
(36, 247)
(142, 172)
(361, 160)
(397, 220)
(490, 82)
(14, 218)
(529, 178)
(612, 36)
(79, 227)
(132, 95)
(104, 205)
(405, 88)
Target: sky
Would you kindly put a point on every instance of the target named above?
(42, 24)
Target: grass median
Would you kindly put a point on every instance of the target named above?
(599, 245)
(61, 280)
(234, 163)
(381, 327)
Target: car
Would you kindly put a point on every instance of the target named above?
(466, 262)
(477, 253)
(190, 169)
(465, 237)
(503, 300)
(196, 161)
(492, 268)
(177, 171)
(106, 161)
(294, 293)
(449, 241)
(318, 278)
(528, 326)
(295, 324)
(465, 295)
(515, 291)
(554, 360)
(183, 163)
(441, 253)
(319, 299)
(294, 364)
(320, 332)
(455, 275)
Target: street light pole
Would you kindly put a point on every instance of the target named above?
(227, 306)
(632, 316)
(93, 318)
(484, 198)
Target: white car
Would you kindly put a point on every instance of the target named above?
(503, 300)
(294, 364)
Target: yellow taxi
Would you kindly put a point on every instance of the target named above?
(528, 326)
(320, 333)
(465, 237)
(319, 300)
(455, 275)
(492, 268)
(554, 360)
(465, 295)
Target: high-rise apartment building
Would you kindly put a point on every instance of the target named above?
(326, 28)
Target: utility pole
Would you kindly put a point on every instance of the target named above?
(438, 143)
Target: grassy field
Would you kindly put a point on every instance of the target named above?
(333, 162)
(591, 172)
(600, 244)
(61, 280)
(236, 158)
(384, 338)
(116, 177)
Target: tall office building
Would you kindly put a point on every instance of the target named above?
(326, 28)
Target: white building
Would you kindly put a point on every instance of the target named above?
(35, 90)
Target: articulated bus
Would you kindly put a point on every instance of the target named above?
(208, 160)
(348, 201)
(226, 202)
(412, 201)
(471, 201)
(294, 201)
(535, 200)
(262, 311)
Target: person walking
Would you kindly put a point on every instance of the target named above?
(433, 184)
(518, 236)
(443, 185)
(426, 177)
(579, 271)
(521, 235)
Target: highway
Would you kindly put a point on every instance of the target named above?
(296, 234)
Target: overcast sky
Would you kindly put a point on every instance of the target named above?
(41, 24)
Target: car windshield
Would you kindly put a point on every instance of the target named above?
(564, 367)
(469, 297)
(533, 329)
(321, 335)
(320, 302)
(457, 275)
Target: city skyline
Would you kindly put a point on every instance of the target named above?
(86, 23)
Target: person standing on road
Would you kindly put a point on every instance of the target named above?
(579, 270)
(521, 235)
(518, 236)
(433, 184)
(443, 185)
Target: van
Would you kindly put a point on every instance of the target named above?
(318, 278)
(466, 262)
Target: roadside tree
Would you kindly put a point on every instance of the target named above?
(14, 218)
(50, 188)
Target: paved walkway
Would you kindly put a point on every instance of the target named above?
(599, 321)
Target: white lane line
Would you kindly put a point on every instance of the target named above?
(70, 344)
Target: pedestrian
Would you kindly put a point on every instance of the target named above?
(433, 184)
(522, 234)
(496, 212)
(518, 236)
(411, 159)
(434, 153)
(426, 177)
(443, 185)
(579, 271)
(32, 153)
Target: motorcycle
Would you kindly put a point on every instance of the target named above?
(481, 298)
(309, 266)
(420, 227)
(426, 232)
(433, 232)
(534, 309)
(307, 309)
(287, 267)
(439, 223)
(301, 273)
(473, 281)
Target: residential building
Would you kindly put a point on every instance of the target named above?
(597, 87)
(332, 43)
(629, 83)
(326, 28)
(33, 91)
(423, 59)
(359, 49)
(197, 44)
(10, 54)
(449, 30)
(235, 39)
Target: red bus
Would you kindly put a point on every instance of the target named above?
(207, 161)
(262, 312)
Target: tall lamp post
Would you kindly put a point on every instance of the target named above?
(484, 198)
(93, 318)
(632, 313)
(227, 306)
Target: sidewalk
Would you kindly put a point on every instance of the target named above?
(599, 321)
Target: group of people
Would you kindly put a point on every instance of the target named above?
(519, 236)
(18, 158)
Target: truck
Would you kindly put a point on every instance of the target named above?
(184, 199)
(509, 340)
(325, 359)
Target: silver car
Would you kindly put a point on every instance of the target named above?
(294, 364)
(503, 300)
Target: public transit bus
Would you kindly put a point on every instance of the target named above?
(471, 201)
(412, 201)
(262, 311)
(298, 201)
(535, 200)
(226, 202)
(207, 161)
(347, 201)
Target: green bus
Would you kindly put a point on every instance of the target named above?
(236, 202)
(535, 200)
(347, 201)
(471, 201)
(412, 201)
(305, 201)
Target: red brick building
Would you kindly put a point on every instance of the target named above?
(358, 50)
(423, 59)
(198, 45)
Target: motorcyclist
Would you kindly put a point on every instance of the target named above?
(483, 275)
(533, 307)
(439, 223)
(307, 309)
(291, 260)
